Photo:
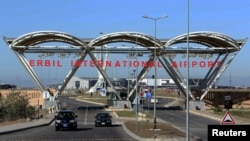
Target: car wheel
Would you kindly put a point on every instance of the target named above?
(56, 129)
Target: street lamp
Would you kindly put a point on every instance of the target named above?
(155, 20)
(104, 81)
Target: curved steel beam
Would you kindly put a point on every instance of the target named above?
(209, 39)
(39, 37)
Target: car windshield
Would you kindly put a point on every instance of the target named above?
(66, 114)
(102, 115)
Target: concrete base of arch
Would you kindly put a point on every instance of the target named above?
(197, 105)
(119, 104)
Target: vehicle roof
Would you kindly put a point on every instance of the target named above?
(66, 110)
(103, 113)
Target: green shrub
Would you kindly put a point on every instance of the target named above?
(15, 106)
(217, 109)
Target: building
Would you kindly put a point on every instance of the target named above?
(36, 96)
(7, 86)
(159, 82)
(81, 83)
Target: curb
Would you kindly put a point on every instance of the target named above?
(149, 139)
(205, 115)
(194, 138)
(25, 128)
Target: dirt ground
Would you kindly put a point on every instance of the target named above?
(5, 123)
(144, 129)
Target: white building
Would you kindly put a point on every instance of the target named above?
(86, 83)
(80, 83)
(159, 82)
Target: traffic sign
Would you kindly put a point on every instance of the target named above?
(149, 95)
(227, 97)
(141, 94)
(227, 119)
(168, 91)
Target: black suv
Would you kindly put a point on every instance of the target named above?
(103, 119)
(66, 119)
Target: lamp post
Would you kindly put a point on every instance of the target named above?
(187, 92)
(104, 82)
(154, 76)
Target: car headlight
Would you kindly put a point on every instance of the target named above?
(58, 121)
(72, 121)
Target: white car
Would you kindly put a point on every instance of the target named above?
(154, 100)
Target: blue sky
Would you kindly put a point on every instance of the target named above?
(87, 18)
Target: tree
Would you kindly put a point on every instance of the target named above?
(2, 108)
(17, 106)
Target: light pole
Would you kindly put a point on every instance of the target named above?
(155, 85)
(187, 92)
(103, 83)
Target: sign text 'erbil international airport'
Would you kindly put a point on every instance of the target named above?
(123, 63)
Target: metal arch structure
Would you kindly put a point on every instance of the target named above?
(38, 37)
(221, 45)
(30, 40)
(216, 43)
(141, 39)
(28, 43)
(209, 39)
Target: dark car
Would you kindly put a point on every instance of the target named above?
(103, 119)
(66, 119)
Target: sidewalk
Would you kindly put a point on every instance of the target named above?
(48, 119)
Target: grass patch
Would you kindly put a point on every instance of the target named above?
(97, 100)
(240, 113)
(132, 114)
(94, 98)
(235, 112)
(126, 113)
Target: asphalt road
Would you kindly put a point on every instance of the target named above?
(87, 131)
(84, 132)
(197, 125)
(175, 115)
(86, 128)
